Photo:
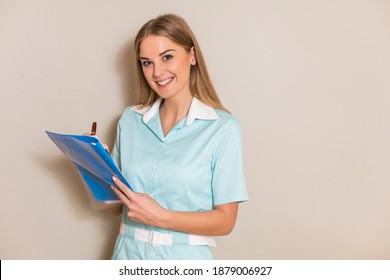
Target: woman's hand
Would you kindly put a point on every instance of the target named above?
(141, 207)
(144, 209)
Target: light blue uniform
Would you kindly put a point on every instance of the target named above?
(195, 167)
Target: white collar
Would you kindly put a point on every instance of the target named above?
(198, 110)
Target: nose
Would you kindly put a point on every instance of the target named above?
(157, 69)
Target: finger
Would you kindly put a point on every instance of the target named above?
(121, 196)
(125, 189)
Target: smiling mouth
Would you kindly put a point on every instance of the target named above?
(164, 82)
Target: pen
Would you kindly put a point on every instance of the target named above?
(93, 130)
(93, 133)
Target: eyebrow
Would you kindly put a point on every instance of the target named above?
(161, 54)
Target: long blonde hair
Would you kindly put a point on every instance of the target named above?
(177, 30)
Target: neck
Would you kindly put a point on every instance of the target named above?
(174, 109)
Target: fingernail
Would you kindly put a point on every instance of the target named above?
(114, 178)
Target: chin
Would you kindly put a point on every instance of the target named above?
(165, 95)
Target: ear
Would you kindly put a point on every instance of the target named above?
(193, 56)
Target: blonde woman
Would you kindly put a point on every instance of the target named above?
(180, 150)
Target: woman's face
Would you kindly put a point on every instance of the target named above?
(166, 66)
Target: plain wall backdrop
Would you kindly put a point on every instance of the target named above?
(309, 82)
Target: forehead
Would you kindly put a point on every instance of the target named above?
(154, 45)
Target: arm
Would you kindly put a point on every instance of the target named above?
(142, 208)
(219, 221)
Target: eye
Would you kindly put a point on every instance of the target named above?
(146, 63)
(167, 57)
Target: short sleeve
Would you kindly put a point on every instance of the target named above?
(228, 183)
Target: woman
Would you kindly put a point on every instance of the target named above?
(179, 149)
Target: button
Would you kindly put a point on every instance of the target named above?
(164, 144)
(154, 166)
(152, 254)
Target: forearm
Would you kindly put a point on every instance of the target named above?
(216, 222)
(143, 209)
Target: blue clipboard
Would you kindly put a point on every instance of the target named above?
(94, 164)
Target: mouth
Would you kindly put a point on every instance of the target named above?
(164, 82)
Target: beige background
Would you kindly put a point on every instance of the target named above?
(308, 80)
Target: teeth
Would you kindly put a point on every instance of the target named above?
(162, 83)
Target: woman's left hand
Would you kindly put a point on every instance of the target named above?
(141, 207)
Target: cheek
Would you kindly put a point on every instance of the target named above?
(182, 69)
(148, 75)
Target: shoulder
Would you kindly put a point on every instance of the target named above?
(138, 109)
(227, 136)
(127, 112)
(227, 121)
(130, 113)
(227, 127)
